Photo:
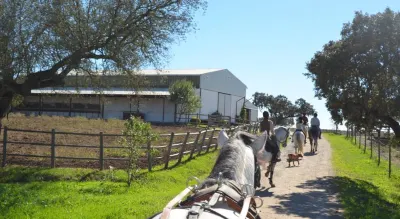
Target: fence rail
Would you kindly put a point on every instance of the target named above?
(374, 144)
(190, 143)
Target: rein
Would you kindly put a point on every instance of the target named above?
(239, 199)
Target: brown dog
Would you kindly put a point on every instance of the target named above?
(293, 158)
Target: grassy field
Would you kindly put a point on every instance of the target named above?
(85, 193)
(365, 189)
(77, 125)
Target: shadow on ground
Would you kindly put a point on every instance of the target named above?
(359, 199)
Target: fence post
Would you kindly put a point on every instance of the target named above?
(202, 142)
(183, 147)
(365, 141)
(3, 164)
(194, 145)
(390, 159)
(370, 143)
(53, 148)
(379, 151)
(101, 152)
(359, 140)
(149, 159)
(210, 140)
(171, 140)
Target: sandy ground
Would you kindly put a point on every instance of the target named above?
(305, 191)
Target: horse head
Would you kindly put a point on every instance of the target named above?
(228, 190)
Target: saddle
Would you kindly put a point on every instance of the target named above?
(271, 145)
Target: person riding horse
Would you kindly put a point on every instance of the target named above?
(299, 126)
(304, 119)
(272, 144)
(316, 124)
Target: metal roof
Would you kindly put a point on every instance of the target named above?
(249, 105)
(110, 91)
(155, 72)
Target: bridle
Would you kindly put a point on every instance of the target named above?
(202, 200)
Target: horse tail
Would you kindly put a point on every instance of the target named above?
(298, 139)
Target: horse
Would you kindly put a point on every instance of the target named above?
(228, 192)
(305, 130)
(314, 134)
(282, 135)
(299, 139)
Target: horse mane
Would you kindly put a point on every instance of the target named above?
(231, 160)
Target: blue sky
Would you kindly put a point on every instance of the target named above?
(267, 43)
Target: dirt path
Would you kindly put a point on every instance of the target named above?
(304, 191)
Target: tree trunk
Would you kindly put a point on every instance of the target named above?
(5, 106)
(394, 125)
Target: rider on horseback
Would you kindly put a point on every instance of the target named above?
(315, 124)
(272, 144)
(299, 126)
(304, 119)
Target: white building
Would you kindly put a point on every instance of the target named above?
(219, 90)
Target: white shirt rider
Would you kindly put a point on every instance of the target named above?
(315, 122)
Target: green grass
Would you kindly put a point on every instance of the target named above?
(85, 193)
(365, 189)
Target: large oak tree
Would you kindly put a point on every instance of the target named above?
(359, 73)
(42, 41)
(281, 109)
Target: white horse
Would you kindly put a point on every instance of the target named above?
(228, 192)
(299, 139)
(282, 135)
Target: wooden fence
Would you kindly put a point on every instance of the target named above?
(200, 143)
(375, 144)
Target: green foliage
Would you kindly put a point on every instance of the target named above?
(17, 100)
(137, 133)
(358, 74)
(281, 109)
(365, 189)
(183, 94)
(243, 114)
(195, 120)
(85, 193)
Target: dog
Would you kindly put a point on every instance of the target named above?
(293, 158)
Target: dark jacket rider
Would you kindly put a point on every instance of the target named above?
(268, 126)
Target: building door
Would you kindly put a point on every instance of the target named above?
(224, 104)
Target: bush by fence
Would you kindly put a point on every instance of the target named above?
(53, 150)
(374, 144)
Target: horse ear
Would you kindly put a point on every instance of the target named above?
(255, 142)
(222, 138)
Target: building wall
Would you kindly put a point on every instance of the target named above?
(253, 115)
(223, 81)
(151, 107)
(113, 107)
(237, 103)
(209, 103)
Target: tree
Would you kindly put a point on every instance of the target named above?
(136, 134)
(359, 73)
(182, 93)
(302, 106)
(281, 108)
(41, 42)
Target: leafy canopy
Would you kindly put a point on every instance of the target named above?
(183, 94)
(359, 73)
(281, 108)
